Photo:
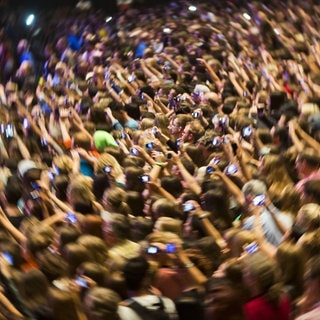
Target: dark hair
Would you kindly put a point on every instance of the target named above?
(100, 184)
(133, 110)
(172, 184)
(135, 201)
(311, 157)
(120, 225)
(13, 190)
(135, 271)
(312, 189)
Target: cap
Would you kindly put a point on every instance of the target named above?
(103, 139)
(200, 89)
(25, 166)
(254, 187)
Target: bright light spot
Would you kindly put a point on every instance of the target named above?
(192, 8)
(247, 16)
(276, 31)
(167, 30)
(108, 19)
(30, 19)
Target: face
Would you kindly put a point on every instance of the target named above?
(174, 128)
(300, 167)
(186, 135)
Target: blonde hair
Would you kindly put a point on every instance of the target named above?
(276, 174)
(164, 237)
(106, 159)
(168, 224)
(80, 187)
(64, 163)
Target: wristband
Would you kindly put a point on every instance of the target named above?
(203, 216)
(188, 265)
(160, 164)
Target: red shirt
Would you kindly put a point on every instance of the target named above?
(260, 309)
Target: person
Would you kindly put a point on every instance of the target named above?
(267, 300)
(253, 189)
(101, 303)
(308, 305)
(307, 164)
(138, 274)
(116, 233)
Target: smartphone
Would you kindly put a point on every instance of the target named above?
(152, 250)
(178, 143)
(231, 169)
(196, 115)
(216, 141)
(71, 217)
(81, 282)
(51, 175)
(246, 131)
(209, 169)
(145, 178)
(154, 131)
(222, 121)
(25, 123)
(252, 247)
(44, 142)
(35, 195)
(149, 145)
(134, 151)
(188, 207)
(141, 96)
(9, 131)
(216, 160)
(245, 93)
(171, 248)
(123, 135)
(259, 200)
(8, 257)
(131, 78)
(35, 186)
(107, 169)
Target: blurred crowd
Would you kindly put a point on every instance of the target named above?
(161, 163)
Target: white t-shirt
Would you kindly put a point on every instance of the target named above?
(151, 302)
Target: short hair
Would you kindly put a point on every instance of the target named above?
(13, 190)
(311, 157)
(172, 184)
(312, 189)
(135, 271)
(196, 129)
(254, 187)
(81, 140)
(101, 303)
(120, 225)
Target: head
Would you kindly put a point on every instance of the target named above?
(107, 160)
(308, 217)
(193, 131)
(261, 276)
(138, 274)
(307, 161)
(311, 192)
(253, 188)
(96, 247)
(291, 261)
(101, 303)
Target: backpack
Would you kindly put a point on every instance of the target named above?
(149, 314)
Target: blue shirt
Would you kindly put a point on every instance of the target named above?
(270, 229)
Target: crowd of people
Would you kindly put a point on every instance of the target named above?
(162, 163)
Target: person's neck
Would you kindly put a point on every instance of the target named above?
(12, 210)
(139, 293)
